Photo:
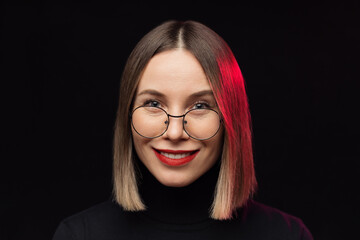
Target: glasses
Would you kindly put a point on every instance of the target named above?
(153, 122)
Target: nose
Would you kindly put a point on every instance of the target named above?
(175, 131)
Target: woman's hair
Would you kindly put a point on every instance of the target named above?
(236, 182)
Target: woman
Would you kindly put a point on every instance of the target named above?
(183, 164)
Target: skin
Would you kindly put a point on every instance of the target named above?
(177, 75)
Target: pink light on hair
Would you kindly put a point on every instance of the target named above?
(233, 104)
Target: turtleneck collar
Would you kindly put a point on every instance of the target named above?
(178, 205)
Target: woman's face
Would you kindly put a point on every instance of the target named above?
(175, 81)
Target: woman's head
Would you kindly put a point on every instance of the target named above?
(182, 66)
(174, 82)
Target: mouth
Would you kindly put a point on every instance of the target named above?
(175, 157)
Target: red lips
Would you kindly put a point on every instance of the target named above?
(173, 161)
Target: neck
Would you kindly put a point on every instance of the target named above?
(180, 205)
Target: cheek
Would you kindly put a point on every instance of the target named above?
(137, 144)
(214, 149)
(217, 143)
(141, 145)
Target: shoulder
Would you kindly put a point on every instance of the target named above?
(269, 214)
(100, 218)
(272, 221)
(102, 212)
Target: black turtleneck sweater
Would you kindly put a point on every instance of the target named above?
(180, 213)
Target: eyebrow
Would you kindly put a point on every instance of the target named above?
(151, 92)
(159, 94)
(202, 93)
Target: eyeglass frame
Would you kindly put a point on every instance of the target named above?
(183, 121)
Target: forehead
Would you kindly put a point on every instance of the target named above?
(174, 72)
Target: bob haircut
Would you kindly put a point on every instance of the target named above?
(236, 182)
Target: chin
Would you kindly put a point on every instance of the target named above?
(171, 181)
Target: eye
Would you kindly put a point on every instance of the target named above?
(201, 105)
(151, 103)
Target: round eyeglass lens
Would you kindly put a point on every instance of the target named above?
(202, 123)
(149, 122)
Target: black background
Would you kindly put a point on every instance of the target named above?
(61, 65)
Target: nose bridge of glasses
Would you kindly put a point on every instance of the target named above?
(178, 119)
(178, 116)
(175, 125)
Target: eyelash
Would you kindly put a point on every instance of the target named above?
(148, 101)
(207, 105)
